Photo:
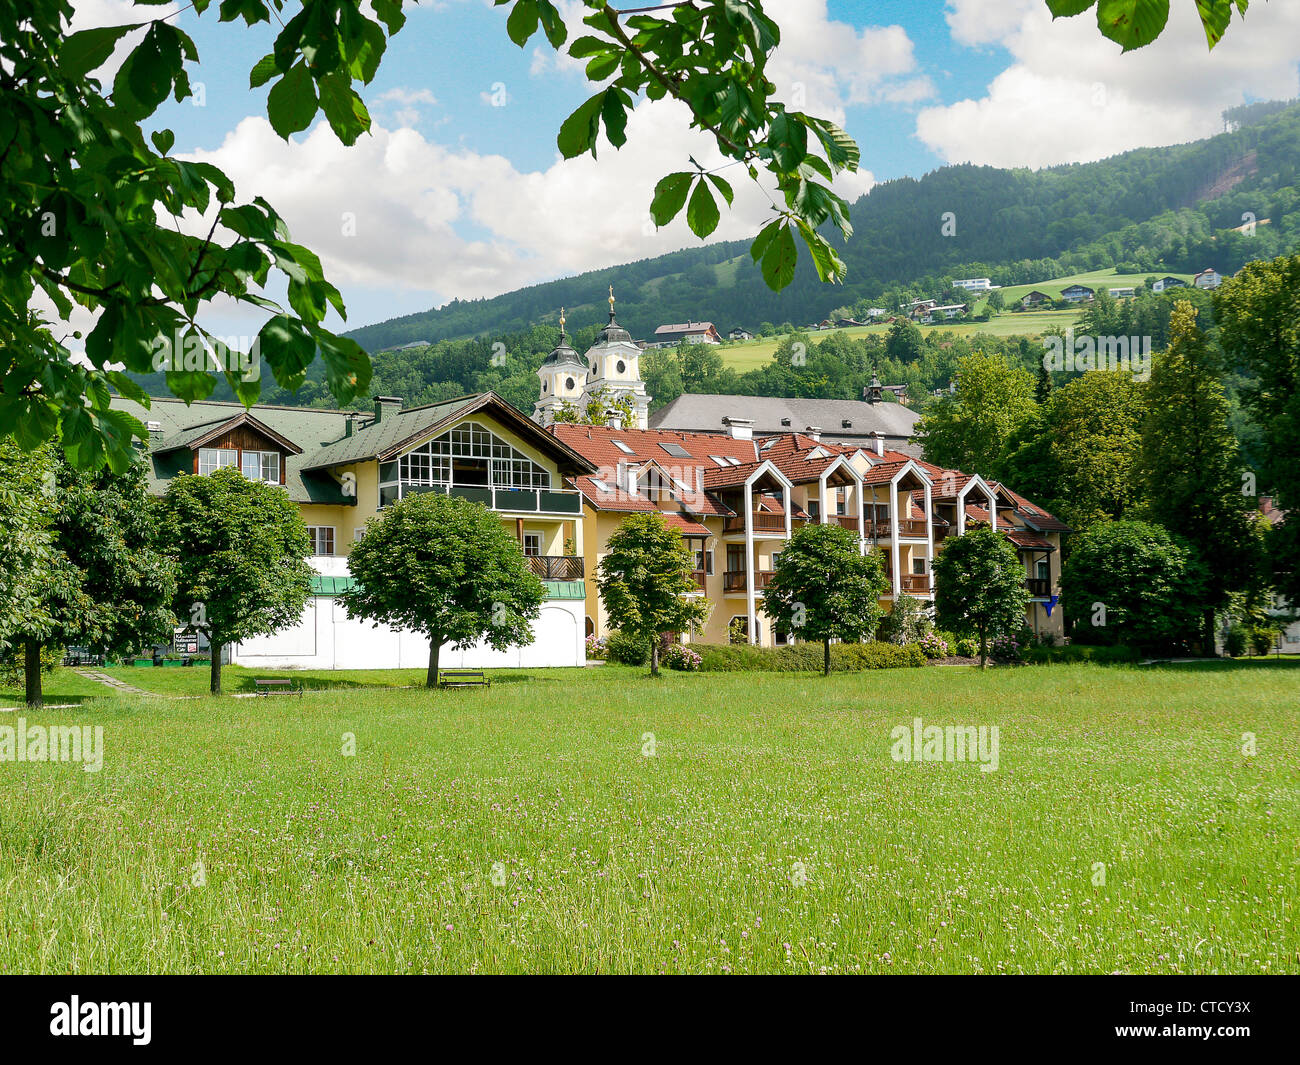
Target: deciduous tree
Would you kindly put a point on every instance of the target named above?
(825, 589)
(447, 568)
(980, 587)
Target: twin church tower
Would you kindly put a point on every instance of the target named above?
(611, 367)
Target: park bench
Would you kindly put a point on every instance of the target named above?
(463, 678)
(263, 687)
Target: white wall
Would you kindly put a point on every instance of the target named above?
(326, 638)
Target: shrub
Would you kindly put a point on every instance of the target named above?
(1007, 648)
(597, 648)
(12, 673)
(1234, 642)
(806, 657)
(626, 649)
(736, 632)
(906, 623)
(968, 647)
(1261, 638)
(933, 645)
(1101, 654)
(681, 658)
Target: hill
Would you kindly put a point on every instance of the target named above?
(1158, 210)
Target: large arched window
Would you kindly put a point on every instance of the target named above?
(471, 455)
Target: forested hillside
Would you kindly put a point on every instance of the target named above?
(1148, 210)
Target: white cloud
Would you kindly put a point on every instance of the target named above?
(453, 223)
(1071, 96)
(404, 104)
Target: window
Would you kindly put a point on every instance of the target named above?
(622, 366)
(704, 562)
(532, 543)
(918, 566)
(465, 455)
(676, 450)
(720, 460)
(1043, 570)
(261, 466)
(358, 534)
(212, 459)
(322, 539)
(622, 447)
(814, 508)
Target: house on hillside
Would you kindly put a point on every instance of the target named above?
(740, 334)
(1207, 278)
(848, 323)
(974, 284)
(1167, 282)
(1034, 299)
(669, 336)
(1124, 292)
(947, 312)
(1077, 294)
(342, 468)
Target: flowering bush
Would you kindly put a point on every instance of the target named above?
(933, 645)
(597, 648)
(680, 657)
(1007, 648)
(968, 647)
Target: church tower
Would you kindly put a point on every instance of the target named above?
(616, 368)
(563, 377)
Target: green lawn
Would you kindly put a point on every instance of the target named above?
(615, 860)
(1096, 279)
(751, 354)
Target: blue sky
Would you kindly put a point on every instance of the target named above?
(458, 192)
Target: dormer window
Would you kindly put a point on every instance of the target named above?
(260, 466)
(212, 459)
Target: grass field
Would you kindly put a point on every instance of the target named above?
(1095, 279)
(534, 826)
(751, 354)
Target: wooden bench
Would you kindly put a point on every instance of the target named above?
(463, 678)
(263, 687)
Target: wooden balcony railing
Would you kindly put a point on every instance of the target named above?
(699, 576)
(913, 528)
(847, 521)
(1039, 587)
(556, 567)
(762, 522)
(733, 580)
(916, 583)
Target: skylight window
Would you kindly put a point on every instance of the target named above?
(676, 450)
(720, 460)
(600, 485)
(732, 460)
(622, 447)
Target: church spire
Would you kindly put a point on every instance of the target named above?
(611, 304)
(562, 336)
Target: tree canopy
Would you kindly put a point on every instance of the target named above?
(447, 568)
(980, 586)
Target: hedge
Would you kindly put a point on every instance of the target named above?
(1077, 652)
(805, 657)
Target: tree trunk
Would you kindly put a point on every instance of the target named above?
(826, 657)
(1207, 638)
(435, 649)
(214, 685)
(984, 649)
(32, 672)
(654, 655)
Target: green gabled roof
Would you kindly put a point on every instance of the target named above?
(395, 428)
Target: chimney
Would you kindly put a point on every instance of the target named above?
(878, 442)
(739, 428)
(386, 404)
(815, 431)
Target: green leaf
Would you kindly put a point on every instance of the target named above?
(830, 267)
(344, 109)
(702, 213)
(292, 103)
(263, 71)
(1215, 16)
(579, 131)
(163, 139)
(1132, 23)
(723, 187)
(553, 23)
(779, 259)
(88, 50)
(1066, 8)
(841, 150)
(614, 112)
(522, 22)
(787, 138)
(670, 197)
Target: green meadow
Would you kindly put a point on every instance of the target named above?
(599, 821)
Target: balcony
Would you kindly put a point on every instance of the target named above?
(734, 580)
(700, 578)
(915, 583)
(762, 522)
(556, 567)
(514, 500)
(908, 529)
(1039, 587)
(847, 521)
